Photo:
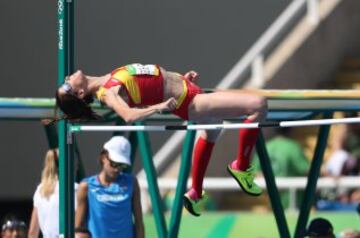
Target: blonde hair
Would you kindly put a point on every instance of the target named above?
(49, 175)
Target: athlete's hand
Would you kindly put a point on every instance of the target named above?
(191, 75)
(168, 105)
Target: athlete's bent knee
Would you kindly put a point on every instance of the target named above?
(260, 107)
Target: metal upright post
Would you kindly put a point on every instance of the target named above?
(79, 169)
(65, 67)
(69, 185)
(186, 156)
(313, 177)
(134, 145)
(271, 186)
(156, 201)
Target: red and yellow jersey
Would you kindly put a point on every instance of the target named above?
(144, 84)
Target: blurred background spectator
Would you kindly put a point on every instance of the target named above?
(12, 227)
(45, 214)
(319, 228)
(344, 160)
(345, 146)
(287, 160)
(350, 233)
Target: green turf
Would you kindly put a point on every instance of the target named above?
(247, 225)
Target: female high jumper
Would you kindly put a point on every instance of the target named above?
(135, 92)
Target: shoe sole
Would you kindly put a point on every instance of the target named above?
(242, 187)
(188, 206)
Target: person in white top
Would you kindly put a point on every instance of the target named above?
(45, 214)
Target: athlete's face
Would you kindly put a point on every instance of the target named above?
(75, 84)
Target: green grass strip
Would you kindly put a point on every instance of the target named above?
(223, 227)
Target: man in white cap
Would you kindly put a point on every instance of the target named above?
(109, 202)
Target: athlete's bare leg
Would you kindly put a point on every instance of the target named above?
(227, 104)
(212, 108)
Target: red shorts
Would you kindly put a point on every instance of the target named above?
(192, 91)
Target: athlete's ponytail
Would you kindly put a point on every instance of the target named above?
(75, 108)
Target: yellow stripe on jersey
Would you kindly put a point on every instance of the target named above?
(130, 84)
(128, 81)
(100, 93)
(182, 97)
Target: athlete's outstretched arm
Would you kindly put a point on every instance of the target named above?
(128, 114)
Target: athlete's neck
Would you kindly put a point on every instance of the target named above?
(95, 82)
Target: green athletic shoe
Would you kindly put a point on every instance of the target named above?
(195, 207)
(246, 180)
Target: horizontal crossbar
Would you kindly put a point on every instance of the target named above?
(226, 126)
(219, 183)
